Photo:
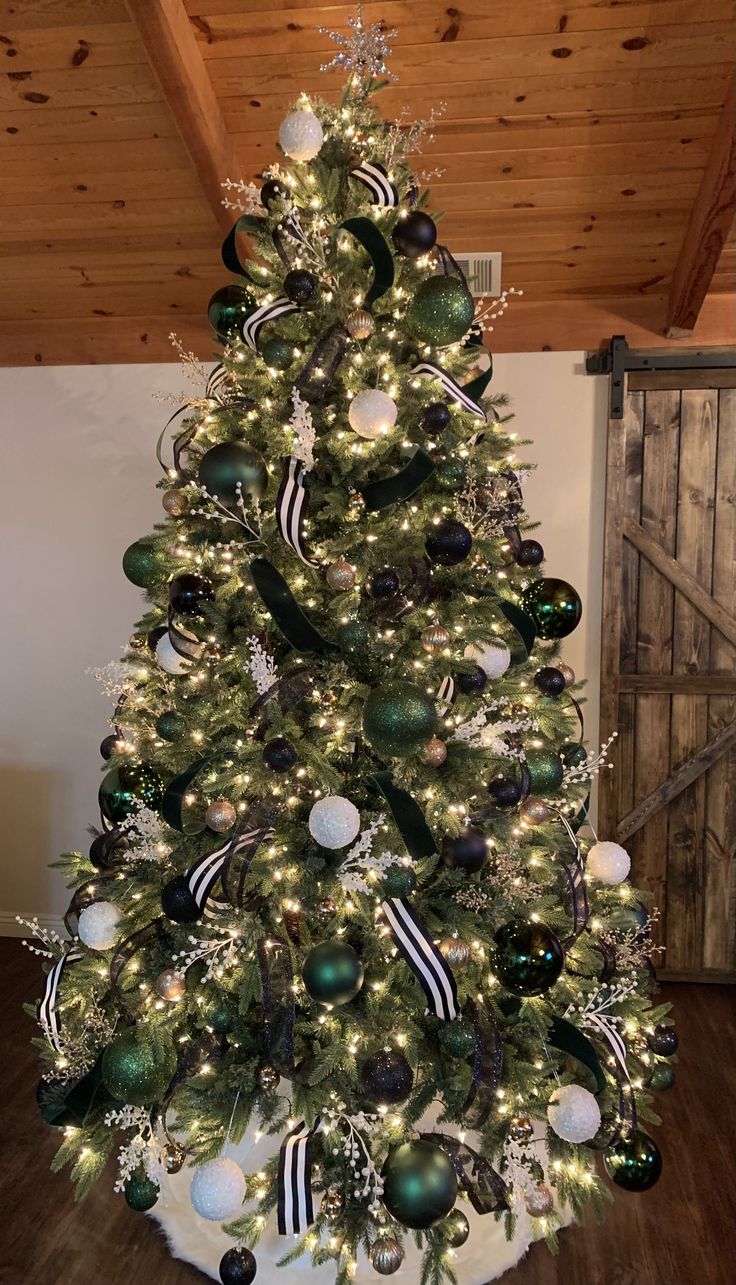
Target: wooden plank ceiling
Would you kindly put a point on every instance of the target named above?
(592, 142)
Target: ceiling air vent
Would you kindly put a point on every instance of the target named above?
(482, 271)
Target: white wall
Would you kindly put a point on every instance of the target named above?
(78, 479)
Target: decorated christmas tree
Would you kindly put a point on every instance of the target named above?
(344, 894)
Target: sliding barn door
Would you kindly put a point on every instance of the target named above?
(669, 659)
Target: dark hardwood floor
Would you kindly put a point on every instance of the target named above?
(681, 1233)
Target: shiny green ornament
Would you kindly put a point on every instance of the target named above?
(441, 311)
(398, 718)
(662, 1077)
(171, 726)
(573, 754)
(228, 309)
(140, 1193)
(225, 466)
(277, 353)
(136, 1071)
(126, 788)
(354, 636)
(545, 770)
(142, 564)
(633, 1162)
(332, 973)
(554, 606)
(221, 1020)
(399, 881)
(527, 958)
(457, 1038)
(419, 1184)
(451, 474)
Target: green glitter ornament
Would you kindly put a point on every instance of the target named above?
(277, 353)
(140, 1193)
(633, 1162)
(126, 788)
(419, 1184)
(222, 1020)
(354, 635)
(142, 564)
(545, 770)
(451, 474)
(554, 606)
(398, 718)
(332, 973)
(662, 1077)
(441, 311)
(399, 881)
(137, 1071)
(171, 726)
(231, 463)
(228, 309)
(457, 1038)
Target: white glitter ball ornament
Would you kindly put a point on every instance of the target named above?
(170, 659)
(301, 135)
(574, 1114)
(334, 822)
(98, 925)
(608, 862)
(494, 661)
(217, 1190)
(372, 413)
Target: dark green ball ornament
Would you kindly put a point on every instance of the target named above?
(277, 353)
(528, 958)
(221, 1020)
(142, 564)
(662, 1077)
(140, 1193)
(134, 1071)
(633, 1162)
(126, 788)
(228, 309)
(441, 311)
(554, 606)
(399, 881)
(354, 635)
(545, 771)
(171, 726)
(228, 464)
(573, 754)
(451, 474)
(332, 973)
(398, 718)
(420, 1186)
(457, 1038)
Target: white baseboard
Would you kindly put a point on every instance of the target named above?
(9, 926)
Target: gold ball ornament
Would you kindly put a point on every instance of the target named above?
(137, 642)
(540, 1201)
(638, 1046)
(170, 986)
(326, 909)
(455, 951)
(360, 324)
(175, 503)
(173, 1158)
(268, 1077)
(521, 1129)
(435, 751)
(434, 639)
(333, 1204)
(387, 1256)
(534, 811)
(340, 576)
(356, 506)
(221, 816)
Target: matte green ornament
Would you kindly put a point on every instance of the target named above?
(554, 606)
(354, 636)
(633, 1162)
(399, 881)
(528, 958)
(170, 725)
(398, 718)
(419, 1184)
(142, 564)
(662, 1077)
(441, 311)
(230, 463)
(545, 770)
(127, 787)
(457, 1038)
(221, 1020)
(332, 973)
(134, 1071)
(228, 309)
(277, 353)
(140, 1193)
(450, 474)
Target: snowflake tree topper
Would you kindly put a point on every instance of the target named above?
(365, 50)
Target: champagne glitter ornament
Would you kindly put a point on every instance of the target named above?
(170, 986)
(534, 811)
(539, 1202)
(455, 951)
(435, 751)
(221, 816)
(333, 1203)
(268, 1077)
(340, 576)
(175, 503)
(521, 1128)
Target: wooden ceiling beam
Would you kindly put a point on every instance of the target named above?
(175, 58)
(710, 223)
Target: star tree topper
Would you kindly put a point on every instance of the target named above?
(365, 50)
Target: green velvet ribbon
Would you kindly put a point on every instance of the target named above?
(399, 486)
(374, 242)
(172, 807)
(569, 1039)
(70, 1105)
(250, 224)
(524, 626)
(285, 611)
(478, 386)
(408, 816)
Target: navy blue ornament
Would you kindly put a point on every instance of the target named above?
(110, 745)
(549, 681)
(187, 593)
(529, 553)
(448, 543)
(436, 416)
(238, 1266)
(386, 1077)
(177, 902)
(466, 852)
(383, 583)
(279, 754)
(415, 234)
(663, 1041)
(472, 682)
(271, 190)
(504, 792)
(300, 286)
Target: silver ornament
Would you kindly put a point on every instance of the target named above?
(333, 1203)
(334, 821)
(360, 324)
(268, 1077)
(387, 1256)
(221, 816)
(435, 751)
(170, 986)
(521, 1128)
(455, 951)
(434, 639)
(300, 135)
(340, 575)
(540, 1201)
(534, 811)
(99, 925)
(174, 503)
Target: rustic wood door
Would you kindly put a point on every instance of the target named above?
(669, 659)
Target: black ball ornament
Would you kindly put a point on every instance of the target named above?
(109, 746)
(300, 286)
(663, 1041)
(448, 543)
(634, 1161)
(231, 466)
(398, 718)
(383, 583)
(505, 792)
(127, 787)
(228, 309)
(187, 592)
(414, 235)
(549, 681)
(529, 553)
(419, 1184)
(554, 606)
(271, 191)
(528, 958)
(386, 1077)
(466, 852)
(238, 1266)
(472, 682)
(332, 973)
(177, 901)
(279, 754)
(140, 1192)
(436, 416)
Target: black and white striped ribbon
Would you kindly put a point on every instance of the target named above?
(613, 1038)
(219, 383)
(292, 503)
(295, 1207)
(375, 178)
(184, 643)
(253, 324)
(446, 693)
(48, 1013)
(204, 874)
(417, 948)
(429, 370)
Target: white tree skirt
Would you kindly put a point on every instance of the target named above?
(485, 1256)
